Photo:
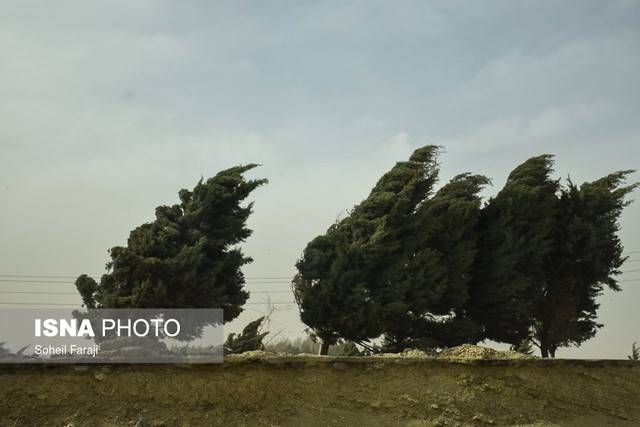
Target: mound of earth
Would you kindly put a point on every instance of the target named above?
(267, 389)
(475, 352)
(465, 352)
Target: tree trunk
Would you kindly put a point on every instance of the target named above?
(324, 348)
(544, 350)
(552, 352)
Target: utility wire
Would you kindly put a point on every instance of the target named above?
(276, 279)
(61, 282)
(76, 293)
(249, 280)
(77, 305)
(42, 276)
(38, 293)
(47, 282)
(36, 281)
(38, 303)
(3, 279)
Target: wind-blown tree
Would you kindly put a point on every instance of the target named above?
(188, 257)
(586, 258)
(5, 353)
(341, 273)
(635, 352)
(429, 270)
(516, 244)
(426, 307)
(250, 339)
(545, 254)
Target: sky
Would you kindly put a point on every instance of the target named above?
(107, 109)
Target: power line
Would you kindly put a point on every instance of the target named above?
(270, 319)
(38, 303)
(38, 293)
(36, 276)
(270, 292)
(248, 286)
(53, 282)
(42, 276)
(276, 279)
(249, 279)
(285, 282)
(64, 282)
(76, 293)
(78, 305)
(272, 303)
(273, 280)
(36, 281)
(47, 279)
(4, 279)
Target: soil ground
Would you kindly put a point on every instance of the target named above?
(267, 390)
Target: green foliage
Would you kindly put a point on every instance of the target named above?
(545, 254)
(343, 274)
(346, 349)
(586, 258)
(430, 280)
(187, 257)
(399, 264)
(635, 352)
(300, 345)
(523, 347)
(249, 339)
(516, 241)
(429, 269)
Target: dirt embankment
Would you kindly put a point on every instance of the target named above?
(263, 390)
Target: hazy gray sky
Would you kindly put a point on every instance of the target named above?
(108, 109)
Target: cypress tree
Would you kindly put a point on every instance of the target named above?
(586, 258)
(516, 244)
(434, 273)
(342, 274)
(546, 252)
(188, 257)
